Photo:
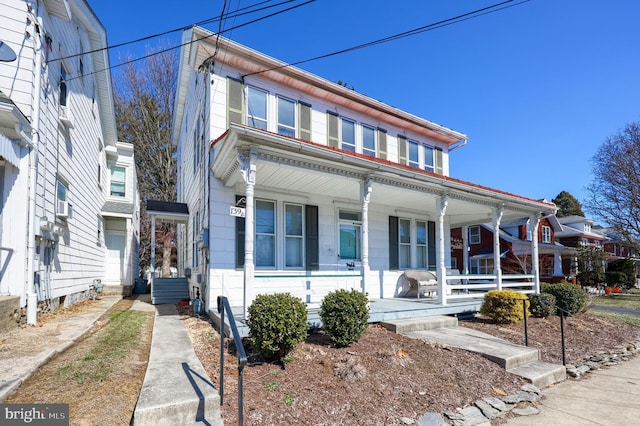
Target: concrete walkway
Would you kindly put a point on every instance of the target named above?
(609, 396)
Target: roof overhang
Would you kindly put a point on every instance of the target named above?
(167, 211)
(296, 166)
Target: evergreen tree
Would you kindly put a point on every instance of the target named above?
(568, 205)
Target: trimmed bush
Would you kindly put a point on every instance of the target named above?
(542, 305)
(504, 306)
(277, 323)
(345, 316)
(569, 297)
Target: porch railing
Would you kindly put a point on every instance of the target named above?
(465, 286)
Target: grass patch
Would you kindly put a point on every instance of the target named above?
(625, 301)
(627, 318)
(120, 336)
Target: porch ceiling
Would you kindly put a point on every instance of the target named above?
(304, 169)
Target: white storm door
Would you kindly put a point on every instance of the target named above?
(116, 244)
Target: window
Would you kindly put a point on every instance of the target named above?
(421, 244)
(286, 117)
(348, 135)
(257, 108)
(118, 181)
(265, 243)
(529, 233)
(63, 86)
(61, 191)
(368, 141)
(404, 233)
(429, 164)
(293, 236)
(546, 234)
(350, 224)
(474, 235)
(414, 159)
(196, 230)
(482, 266)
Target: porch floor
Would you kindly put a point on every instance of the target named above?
(380, 310)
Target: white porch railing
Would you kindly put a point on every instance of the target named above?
(461, 286)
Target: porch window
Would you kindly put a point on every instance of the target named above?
(474, 235)
(293, 236)
(350, 224)
(421, 244)
(482, 266)
(368, 141)
(257, 108)
(404, 232)
(546, 234)
(118, 181)
(265, 249)
(348, 135)
(286, 117)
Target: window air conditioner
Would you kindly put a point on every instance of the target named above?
(65, 117)
(62, 209)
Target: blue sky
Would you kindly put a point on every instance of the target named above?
(536, 87)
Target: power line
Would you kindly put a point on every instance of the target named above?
(196, 40)
(233, 14)
(430, 27)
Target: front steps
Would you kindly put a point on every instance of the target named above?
(520, 360)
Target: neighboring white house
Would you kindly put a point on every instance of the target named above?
(68, 190)
(294, 183)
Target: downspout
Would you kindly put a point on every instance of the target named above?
(458, 144)
(32, 297)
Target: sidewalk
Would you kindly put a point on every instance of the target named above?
(609, 396)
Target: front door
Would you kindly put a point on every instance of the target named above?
(116, 245)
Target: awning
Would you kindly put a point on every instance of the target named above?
(9, 151)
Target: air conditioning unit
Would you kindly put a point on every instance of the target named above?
(64, 116)
(62, 209)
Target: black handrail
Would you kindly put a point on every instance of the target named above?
(223, 306)
(563, 313)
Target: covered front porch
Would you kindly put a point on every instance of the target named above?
(372, 220)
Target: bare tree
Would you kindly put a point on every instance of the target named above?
(143, 97)
(615, 190)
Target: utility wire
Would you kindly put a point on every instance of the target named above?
(194, 41)
(233, 14)
(440, 24)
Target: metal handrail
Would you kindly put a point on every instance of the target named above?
(563, 312)
(223, 306)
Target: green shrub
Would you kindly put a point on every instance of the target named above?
(504, 306)
(569, 297)
(542, 305)
(277, 323)
(345, 316)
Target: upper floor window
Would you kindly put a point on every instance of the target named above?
(368, 140)
(429, 163)
(257, 108)
(286, 117)
(474, 235)
(587, 227)
(546, 234)
(118, 181)
(61, 191)
(414, 158)
(348, 135)
(63, 86)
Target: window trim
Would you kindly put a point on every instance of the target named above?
(346, 146)
(273, 236)
(300, 237)
(123, 182)
(292, 128)
(252, 118)
(372, 152)
(357, 224)
(471, 234)
(546, 234)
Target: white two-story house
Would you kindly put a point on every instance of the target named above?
(297, 184)
(68, 190)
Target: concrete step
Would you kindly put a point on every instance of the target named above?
(503, 353)
(541, 374)
(408, 325)
(176, 388)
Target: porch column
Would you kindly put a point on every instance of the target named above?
(465, 250)
(497, 267)
(534, 222)
(248, 171)
(153, 248)
(366, 189)
(441, 270)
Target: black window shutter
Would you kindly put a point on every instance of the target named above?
(240, 230)
(312, 245)
(394, 255)
(431, 245)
